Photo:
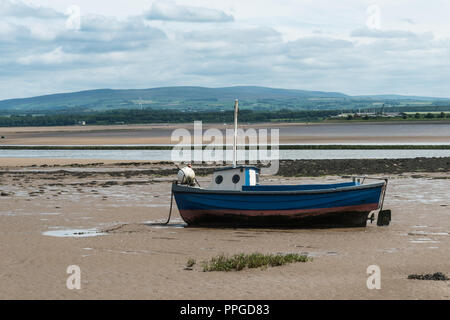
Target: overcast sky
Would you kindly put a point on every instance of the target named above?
(351, 46)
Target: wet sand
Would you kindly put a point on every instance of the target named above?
(137, 261)
(290, 133)
(28, 162)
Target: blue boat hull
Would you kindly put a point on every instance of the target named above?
(340, 205)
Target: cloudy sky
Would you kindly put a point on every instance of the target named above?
(350, 46)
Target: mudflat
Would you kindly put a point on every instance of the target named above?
(290, 133)
(99, 217)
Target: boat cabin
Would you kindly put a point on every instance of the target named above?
(233, 178)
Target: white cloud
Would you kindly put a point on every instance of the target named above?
(378, 33)
(17, 8)
(373, 21)
(73, 21)
(102, 34)
(54, 57)
(318, 45)
(164, 10)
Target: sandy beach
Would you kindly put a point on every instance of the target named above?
(133, 260)
(174, 151)
(290, 133)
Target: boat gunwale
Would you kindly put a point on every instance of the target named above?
(187, 189)
(237, 167)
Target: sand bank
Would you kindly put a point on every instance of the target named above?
(290, 133)
(137, 261)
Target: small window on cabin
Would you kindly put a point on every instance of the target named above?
(236, 178)
(219, 179)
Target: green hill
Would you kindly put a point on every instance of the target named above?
(165, 97)
(205, 99)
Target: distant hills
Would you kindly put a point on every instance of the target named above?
(189, 98)
(400, 97)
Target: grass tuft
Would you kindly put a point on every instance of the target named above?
(241, 261)
(190, 263)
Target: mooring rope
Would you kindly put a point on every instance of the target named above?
(170, 210)
(170, 213)
(171, 200)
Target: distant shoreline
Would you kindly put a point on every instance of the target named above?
(89, 127)
(281, 147)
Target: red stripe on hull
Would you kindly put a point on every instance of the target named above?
(349, 216)
(187, 214)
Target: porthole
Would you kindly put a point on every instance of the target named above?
(219, 179)
(236, 178)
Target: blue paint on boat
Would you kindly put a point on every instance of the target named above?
(341, 204)
(298, 187)
(247, 178)
(251, 200)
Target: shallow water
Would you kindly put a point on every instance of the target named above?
(174, 223)
(74, 233)
(166, 155)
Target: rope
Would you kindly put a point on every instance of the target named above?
(170, 213)
(171, 202)
(171, 205)
(170, 210)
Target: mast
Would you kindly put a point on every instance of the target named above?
(236, 109)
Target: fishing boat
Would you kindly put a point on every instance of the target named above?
(235, 198)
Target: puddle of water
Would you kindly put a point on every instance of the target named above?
(174, 223)
(7, 214)
(390, 250)
(135, 252)
(424, 240)
(156, 205)
(170, 225)
(128, 204)
(74, 233)
(424, 233)
(319, 253)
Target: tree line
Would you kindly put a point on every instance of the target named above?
(133, 116)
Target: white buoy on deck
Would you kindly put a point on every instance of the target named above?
(186, 176)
